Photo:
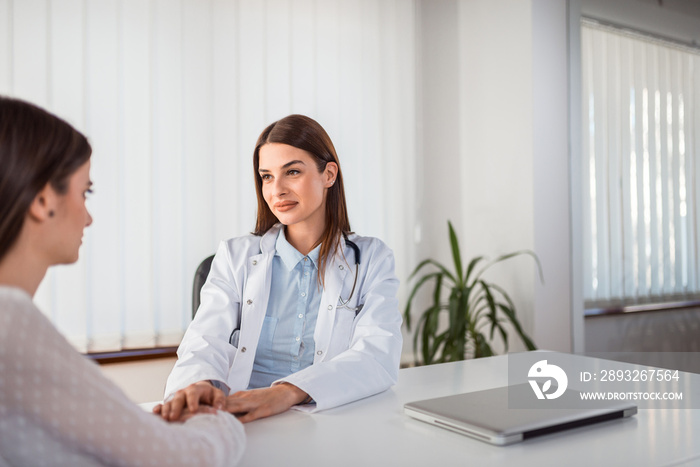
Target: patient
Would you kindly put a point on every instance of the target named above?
(56, 407)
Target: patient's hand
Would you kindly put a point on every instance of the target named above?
(187, 413)
(190, 398)
(264, 402)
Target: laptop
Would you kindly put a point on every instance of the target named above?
(486, 416)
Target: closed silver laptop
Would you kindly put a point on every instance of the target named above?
(486, 416)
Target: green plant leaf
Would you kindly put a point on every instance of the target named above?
(417, 334)
(510, 313)
(421, 281)
(509, 256)
(440, 267)
(504, 295)
(489, 300)
(481, 346)
(439, 341)
(501, 330)
(437, 291)
(426, 330)
(472, 265)
(475, 309)
(453, 313)
(456, 256)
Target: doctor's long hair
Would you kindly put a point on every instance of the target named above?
(36, 148)
(305, 133)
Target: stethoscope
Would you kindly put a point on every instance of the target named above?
(344, 303)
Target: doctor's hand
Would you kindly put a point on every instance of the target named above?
(190, 398)
(264, 402)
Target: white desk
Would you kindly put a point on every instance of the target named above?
(375, 432)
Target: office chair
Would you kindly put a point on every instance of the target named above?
(200, 277)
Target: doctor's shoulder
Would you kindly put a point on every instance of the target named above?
(376, 257)
(372, 248)
(233, 254)
(246, 244)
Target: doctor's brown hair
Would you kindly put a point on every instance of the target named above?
(36, 148)
(306, 134)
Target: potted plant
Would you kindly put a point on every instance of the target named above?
(475, 309)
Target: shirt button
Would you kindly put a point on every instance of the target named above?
(303, 294)
(298, 339)
(249, 302)
(341, 267)
(306, 273)
(243, 349)
(300, 315)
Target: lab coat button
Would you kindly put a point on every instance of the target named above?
(255, 262)
(243, 349)
(320, 352)
(249, 302)
(330, 307)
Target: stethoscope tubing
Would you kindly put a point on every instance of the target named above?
(356, 251)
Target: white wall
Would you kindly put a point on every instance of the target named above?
(557, 315)
(496, 143)
(495, 111)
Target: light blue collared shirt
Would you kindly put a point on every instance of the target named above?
(286, 342)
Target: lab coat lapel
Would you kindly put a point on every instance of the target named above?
(335, 274)
(254, 303)
(257, 290)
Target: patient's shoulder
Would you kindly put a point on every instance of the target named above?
(14, 302)
(18, 313)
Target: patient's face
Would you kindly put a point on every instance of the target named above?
(71, 217)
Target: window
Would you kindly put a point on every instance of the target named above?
(641, 139)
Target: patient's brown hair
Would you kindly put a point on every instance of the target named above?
(36, 148)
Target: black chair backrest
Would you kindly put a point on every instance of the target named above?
(200, 277)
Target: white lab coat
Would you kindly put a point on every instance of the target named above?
(355, 357)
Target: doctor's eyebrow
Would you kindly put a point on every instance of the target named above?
(287, 165)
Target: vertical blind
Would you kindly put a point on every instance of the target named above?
(172, 95)
(641, 142)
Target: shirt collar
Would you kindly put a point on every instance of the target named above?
(290, 256)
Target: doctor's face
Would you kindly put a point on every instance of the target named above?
(292, 186)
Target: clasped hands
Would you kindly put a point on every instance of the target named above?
(203, 397)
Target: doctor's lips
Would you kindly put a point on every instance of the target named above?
(283, 206)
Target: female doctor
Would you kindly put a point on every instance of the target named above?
(300, 313)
